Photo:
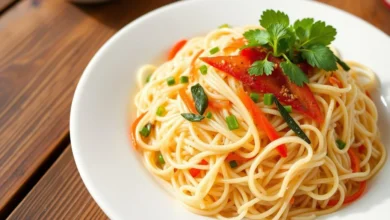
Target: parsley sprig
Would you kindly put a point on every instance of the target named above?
(305, 40)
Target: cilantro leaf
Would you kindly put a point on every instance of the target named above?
(320, 56)
(260, 67)
(302, 28)
(270, 17)
(320, 33)
(278, 32)
(256, 37)
(294, 73)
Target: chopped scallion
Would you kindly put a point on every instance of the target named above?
(160, 111)
(145, 131)
(232, 122)
(183, 79)
(288, 108)
(214, 50)
(148, 78)
(161, 159)
(224, 26)
(171, 81)
(268, 99)
(255, 97)
(233, 164)
(203, 69)
(340, 144)
(209, 115)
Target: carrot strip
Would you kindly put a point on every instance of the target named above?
(132, 129)
(262, 121)
(193, 72)
(194, 172)
(187, 100)
(219, 104)
(334, 81)
(176, 48)
(355, 161)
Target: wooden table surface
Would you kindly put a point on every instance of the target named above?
(45, 46)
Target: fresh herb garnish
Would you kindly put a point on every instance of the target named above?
(290, 121)
(200, 98)
(340, 144)
(305, 40)
(192, 117)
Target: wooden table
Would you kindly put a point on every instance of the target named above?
(45, 46)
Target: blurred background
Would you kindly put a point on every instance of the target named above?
(44, 47)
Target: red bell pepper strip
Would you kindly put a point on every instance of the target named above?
(300, 98)
(176, 48)
(195, 172)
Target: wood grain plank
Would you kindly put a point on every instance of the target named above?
(60, 194)
(373, 11)
(4, 4)
(44, 50)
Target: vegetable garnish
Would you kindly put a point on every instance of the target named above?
(200, 98)
(355, 165)
(262, 121)
(148, 78)
(355, 161)
(161, 159)
(334, 81)
(209, 115)
(133, 129)
(160, 111)
(300, 98)
(192, 117)
(233, 164)
(342, 64)
(219, 104)
(214, 50)
(195, 172)
(187, 100)
(171, 81)
(290, 121)
(232, 122)
(268, 99)
(176, 48)
(183, 79)
(288, 108)
(224, 26)
(203, 69)
(254, 96)
(340, 144)
(145, 131)
(236, 157)
(305, 40)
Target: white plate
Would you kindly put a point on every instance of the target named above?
(99, 123)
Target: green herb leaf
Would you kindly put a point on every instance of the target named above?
(320, 33)
(340, 144)
(320, 56)
(260, 67)
(256, 37)
(342, 64)
(270, 17)
(294, 73)
(192, 117)
(302, 28)
(200, 98)
(290, 121)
